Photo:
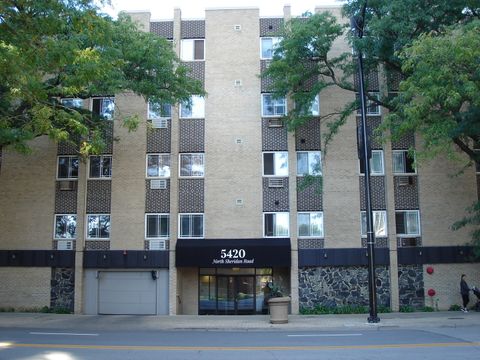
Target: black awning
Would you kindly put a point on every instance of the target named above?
(229, 253)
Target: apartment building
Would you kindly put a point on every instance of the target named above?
(199, 210)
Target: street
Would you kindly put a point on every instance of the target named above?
(377, 343)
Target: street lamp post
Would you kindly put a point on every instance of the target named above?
(364, 152)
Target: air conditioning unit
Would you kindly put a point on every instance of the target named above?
(237, 27)
(65, 245)
(157, 244)
(275, 123)
(160, 123)
(158, 184)
(405, 180)
(66, 185)
(275, 182)
(409, 241)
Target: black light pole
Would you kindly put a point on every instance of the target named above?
(364, 153)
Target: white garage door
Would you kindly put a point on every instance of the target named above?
(127, 293)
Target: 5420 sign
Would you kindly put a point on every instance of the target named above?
(233, 257)
(233, 253)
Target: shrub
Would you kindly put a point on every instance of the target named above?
(454, 307)
(428, 309)
(407, 309)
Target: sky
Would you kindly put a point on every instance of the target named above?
(195, 9)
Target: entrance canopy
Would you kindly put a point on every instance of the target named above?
(229, 253)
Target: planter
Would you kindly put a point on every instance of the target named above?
(279, 309)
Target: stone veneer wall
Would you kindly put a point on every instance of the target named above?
(411, 286)
(339, 286)
(62, 292)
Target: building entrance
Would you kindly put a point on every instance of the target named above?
(236, 295)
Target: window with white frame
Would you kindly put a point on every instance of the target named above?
(379, 223)
(73, 103)
(67, 167)
(100, 167)
(192, 165)
(194, 108)
(157, 226)
(310, 224)
(376, 163)
(159, 111)
(407, 223)
(275, 163)
(276, 224)
(191, 226)
(273, 106)
(65, 226)
(268, 47)
(158, 165)
(98, 226)
(104, 107)
(373, 109)
(403, 163)
(192, 49)
(309, 163)
(314, 109)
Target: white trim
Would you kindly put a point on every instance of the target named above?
(67, 178)
(103, 97)
(157, 237)
(146, 165)
(159, 117)
(274, 213)
(180, 166)
(405, 152)
(418, 224)
(275, 41)
(193, 50)
(310, 236)
(372, 173)
(101, 167)
(379, 113)
(180, 116)
(308, 152)
(180, 226)
(87, 237)
(55, 226)
(373, 214)
(263, 163)
(274, 115)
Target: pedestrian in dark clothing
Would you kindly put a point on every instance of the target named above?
(464, 291)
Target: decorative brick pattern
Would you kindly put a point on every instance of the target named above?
(274, 138)
(67, 148)
(308, 136)
(162, 28)
(62, 292)
(411, 286)
(393, 80)
(97, 244)
(159, 140)
(191, 194)
(275, 199)
(197, 70)
(373, 122)
(271, 26)
(418, 242)
(193, 29)
(311, 243)
(406, 196)
(379, 242)
(371, 81)
(192, 135)
(404, 143)
(265, 82)
(99, 194)
(65, 200)
(333, 286)
(377, 192)
(310, 198)
(55, 244)
(157, 201)
(108, 134)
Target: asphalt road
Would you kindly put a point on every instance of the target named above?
(432, 343)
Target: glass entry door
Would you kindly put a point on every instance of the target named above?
(236, 295)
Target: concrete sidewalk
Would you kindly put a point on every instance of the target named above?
(232, 323)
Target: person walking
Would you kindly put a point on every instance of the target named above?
(464, 291)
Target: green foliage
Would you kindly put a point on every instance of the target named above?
(406, 309)
(7, 309)
(43, 309)
(473, 220)
(428, 309)
(454, 307)
(50, 49)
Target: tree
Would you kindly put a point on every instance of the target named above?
(53, 49)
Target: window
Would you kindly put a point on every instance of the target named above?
(372, 107)
(191, 226)
(276, 224)
(192, 49)
(103, 107)
(309, 163)
(73, 103)
(314, 109)
(158, 165)
(192, 165)
(376, 163)
(157, 226)
(193, 109)
(100, 167)
(159, 111)
(268, 46)
(273, 107)
(379, 223)
(65, 226)
(403, 163)
(407, 223)
(67, 167)
(275, 163)
(310, 224)
(98, 226)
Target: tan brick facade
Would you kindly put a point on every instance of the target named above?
(24, 288)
